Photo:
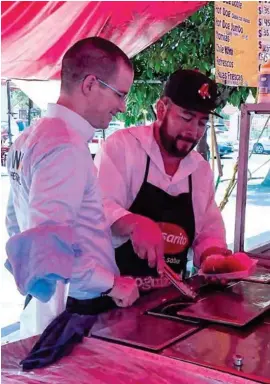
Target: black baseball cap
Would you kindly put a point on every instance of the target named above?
(192, 90)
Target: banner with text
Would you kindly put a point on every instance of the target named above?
(264, 31)
(241, 41)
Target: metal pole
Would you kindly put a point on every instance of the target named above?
(30, 106)
(241, 197)
(9, 113)
(212, 143)
(219, 165)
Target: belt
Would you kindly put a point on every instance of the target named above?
(90, 306)
(85, 307)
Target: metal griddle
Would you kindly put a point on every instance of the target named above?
(236, 305)
(215, 347)
(261, 275)
(146, 332)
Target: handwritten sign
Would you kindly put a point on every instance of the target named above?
(264, 31)
(238, 50)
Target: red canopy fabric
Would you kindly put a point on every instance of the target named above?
(36, 34)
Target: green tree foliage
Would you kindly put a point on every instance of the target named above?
(189, 45)
(19, 98)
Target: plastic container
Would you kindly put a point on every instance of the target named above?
(264, 83)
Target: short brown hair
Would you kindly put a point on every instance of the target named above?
(93, 55)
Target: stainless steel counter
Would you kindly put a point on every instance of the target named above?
(216, 346)
(159, 350)
(209, 345)
(98, 362)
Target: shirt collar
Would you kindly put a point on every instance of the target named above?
(145, 135)
(75, 121)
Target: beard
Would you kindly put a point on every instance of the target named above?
(169, 142)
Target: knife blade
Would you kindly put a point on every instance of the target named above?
(178, 283)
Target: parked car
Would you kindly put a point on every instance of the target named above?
(225, 148)
(224, 143)
(256, 146)
(261, 146)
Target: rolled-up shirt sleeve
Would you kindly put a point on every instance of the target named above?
(210, 229)
(45, 252)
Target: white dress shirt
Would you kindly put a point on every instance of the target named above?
(121, 166)
(55, 210)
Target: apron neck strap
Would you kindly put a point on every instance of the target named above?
(146, 169)
(190, 184)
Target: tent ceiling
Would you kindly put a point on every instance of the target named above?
(35, 34)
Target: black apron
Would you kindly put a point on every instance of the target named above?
(175, 216)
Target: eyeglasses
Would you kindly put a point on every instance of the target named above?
(120, 94)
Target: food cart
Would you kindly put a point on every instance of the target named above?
(222, 338)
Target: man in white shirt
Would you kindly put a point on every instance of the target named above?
(55, 216)
(158, 191)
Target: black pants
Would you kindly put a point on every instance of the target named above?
(85, 307)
